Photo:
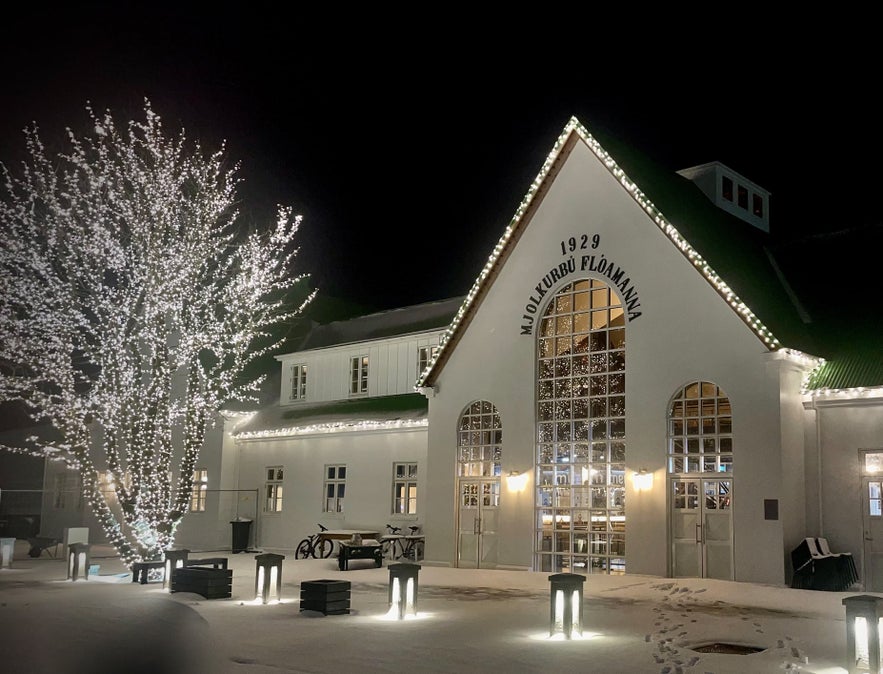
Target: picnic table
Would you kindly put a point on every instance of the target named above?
(346, 535)
(41, 543)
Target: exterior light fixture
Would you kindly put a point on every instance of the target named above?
(566, 609)
(403, 590)
(516, 480)
(77, 559)
(268, 573)
(643, 480)
(863, 616)
(7, 546)
(175, 559)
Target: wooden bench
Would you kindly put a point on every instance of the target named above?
(140, 570)
(350, 551)
(210, 583)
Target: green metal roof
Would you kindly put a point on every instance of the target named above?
(276, 418)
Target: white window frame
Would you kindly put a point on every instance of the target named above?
(359, 375)
(273, 489)
(298, 382)
(199, 490)
(425, 355)
(404, 488)
(335, 481)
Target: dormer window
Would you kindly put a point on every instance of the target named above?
(727, 188)
(732, 193)
(757, 206)
(298, 382)
(358, 375)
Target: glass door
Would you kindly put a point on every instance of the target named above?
(477, 523)
(702, 528)
(872, 523)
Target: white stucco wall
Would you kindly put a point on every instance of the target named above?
(369, 459)
(685, 332)
(843, 426)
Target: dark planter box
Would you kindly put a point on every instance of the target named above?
(210, 583)
(330, 597)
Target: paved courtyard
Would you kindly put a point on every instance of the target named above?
(469, 621)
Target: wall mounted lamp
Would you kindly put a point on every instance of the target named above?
(643, 480)
(516, 480)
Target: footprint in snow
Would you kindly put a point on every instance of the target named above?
(647, 639)
(780, 644)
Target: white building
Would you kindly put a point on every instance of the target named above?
(630, 386)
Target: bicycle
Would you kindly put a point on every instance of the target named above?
(412, 542)
(389, 541)
(314, 546)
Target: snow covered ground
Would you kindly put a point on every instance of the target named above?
(469, 621)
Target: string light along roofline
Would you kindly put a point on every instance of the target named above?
(692, 255)
(334, 427)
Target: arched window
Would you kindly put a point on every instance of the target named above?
(700, 430)
(580, 500)
(479, 441)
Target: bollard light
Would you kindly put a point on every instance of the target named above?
(403, 590)
(566, 611)
(7, 546)
(77, 560)
(863, 616)
(267, 574)
(175, 559)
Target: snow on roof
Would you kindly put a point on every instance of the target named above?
(390, 323)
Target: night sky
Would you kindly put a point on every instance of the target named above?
(407, 143)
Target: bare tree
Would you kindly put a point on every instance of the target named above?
(130, 307)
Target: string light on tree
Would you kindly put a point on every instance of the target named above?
(131, 304)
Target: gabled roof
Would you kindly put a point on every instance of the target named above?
(391, 323)
(717, 244)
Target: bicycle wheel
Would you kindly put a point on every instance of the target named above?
(323, 549)
(303, 549)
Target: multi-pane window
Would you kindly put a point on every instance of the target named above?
(335, 488)
(273, 489)
(298, 382)
(404, 488)
(700, 430)
(480, 441)
(425, 354)
(581, 437)
(358, 375)
(199, 490)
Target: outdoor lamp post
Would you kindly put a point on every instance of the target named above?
(403, 589)
(566, 611)
(175, 559)
(268, 570)
(7, 545)
(78, 558)
(863, 615)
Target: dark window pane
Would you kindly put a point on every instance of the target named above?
(727, 188)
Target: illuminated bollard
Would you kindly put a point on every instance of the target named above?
(566, 614)
(78, 558)
(403, 590)
(175, 559)
(7, 546)
(268, 573)
(863, 615)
